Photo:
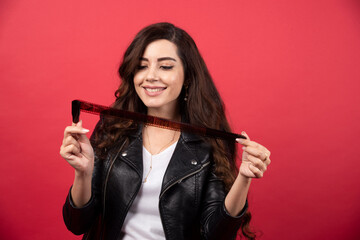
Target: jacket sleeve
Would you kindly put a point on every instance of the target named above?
(216, 222)
(80, 219)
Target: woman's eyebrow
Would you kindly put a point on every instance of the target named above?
(159, 59)
(166, 58)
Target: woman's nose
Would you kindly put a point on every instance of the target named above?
(152, 74)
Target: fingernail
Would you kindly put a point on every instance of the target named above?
(240, 140)
(243, 148)
(243, 132)
(85, 130)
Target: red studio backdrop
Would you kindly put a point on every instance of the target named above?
(288, 72)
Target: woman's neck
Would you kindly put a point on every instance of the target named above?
(171, 114)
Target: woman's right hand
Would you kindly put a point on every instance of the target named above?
(77, 150)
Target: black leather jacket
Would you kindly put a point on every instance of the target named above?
(191, 201)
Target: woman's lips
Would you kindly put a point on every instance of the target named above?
(154, 91)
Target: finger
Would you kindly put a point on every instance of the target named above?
(245, 134)
(82, 138)
(259, 146)
(73, 150)
(71, 140)
(256, 152)
(257, 172)
(257, 163)
(267, 161)
(249, 143)
(65, 152)
(241, 140)
(268, 153)
(75, 130)
(69, 157)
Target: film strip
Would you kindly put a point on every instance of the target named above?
(79, 105)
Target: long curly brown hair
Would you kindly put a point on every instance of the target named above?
(203, 107)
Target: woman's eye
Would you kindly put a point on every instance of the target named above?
(140, 67)
(166, 67)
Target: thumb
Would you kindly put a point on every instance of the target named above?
(83, 139)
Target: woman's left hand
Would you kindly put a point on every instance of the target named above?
(255, 158)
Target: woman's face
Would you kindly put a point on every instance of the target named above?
(160, 77)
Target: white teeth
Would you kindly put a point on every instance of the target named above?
(154, 89)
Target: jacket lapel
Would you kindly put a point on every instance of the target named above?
(133, 153)
(183, 161)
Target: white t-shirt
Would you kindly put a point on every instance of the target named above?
(143, 219)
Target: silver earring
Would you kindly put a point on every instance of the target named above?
(186, 94)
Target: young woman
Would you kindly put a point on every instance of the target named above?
(143, 182)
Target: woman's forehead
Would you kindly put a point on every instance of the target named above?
(160, 49)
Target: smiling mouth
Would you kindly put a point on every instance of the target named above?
(155, 89)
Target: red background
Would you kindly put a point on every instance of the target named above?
(288, 72)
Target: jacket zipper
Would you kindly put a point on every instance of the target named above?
(181, 179)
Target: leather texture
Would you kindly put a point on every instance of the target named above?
(191, 202)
